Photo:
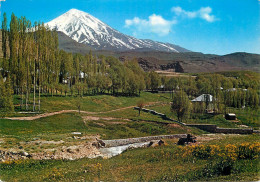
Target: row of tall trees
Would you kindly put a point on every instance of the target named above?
(29, 57)
(35, 65)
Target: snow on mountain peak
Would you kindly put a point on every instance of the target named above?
(85, 28)
(75, 11)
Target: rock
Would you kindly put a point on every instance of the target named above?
(23, 153)
(187, 140)
(98, 143)
(70, 150)
(95, 144)
(76, 133)
(155, 143)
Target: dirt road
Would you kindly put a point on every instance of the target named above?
(30, 118)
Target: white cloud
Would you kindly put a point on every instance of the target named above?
(179, 11)
(155, 24)
(203, 13)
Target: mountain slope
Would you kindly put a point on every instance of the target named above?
(70, 45)
(84, 28)
(191, 62)
(243, 59)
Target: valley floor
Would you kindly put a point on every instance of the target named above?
(58, 144)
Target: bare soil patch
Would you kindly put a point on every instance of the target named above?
(174, 126)
(71, 152)
(116, 122)
(96, 118)
(80, 148)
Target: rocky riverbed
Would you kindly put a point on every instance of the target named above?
(87, 147)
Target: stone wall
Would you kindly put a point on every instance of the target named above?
(206, 127)
(234, 131)
(163, 116)
(120, 142)
(214, 129)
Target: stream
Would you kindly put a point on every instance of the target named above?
(113, 151)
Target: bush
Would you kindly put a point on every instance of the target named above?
(229, 152)
(247, 151)
(201, 151)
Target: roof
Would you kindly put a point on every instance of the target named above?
(231, 114)
(203, 98)
(162, 86)
(234, 89)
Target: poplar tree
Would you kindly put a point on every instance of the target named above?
(180, 105)
(14, 45)
(4, 36)
(6, 95)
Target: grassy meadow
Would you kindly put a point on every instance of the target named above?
(162, 163)
(96, 103)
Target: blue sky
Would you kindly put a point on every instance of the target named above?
(208, 26)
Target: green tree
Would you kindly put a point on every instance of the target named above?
(78, 103)
(6, 95)
(155, 80)
(4, 36)
(140, 105)
(180, 104)
(103, 66)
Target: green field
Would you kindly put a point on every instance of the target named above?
(161, 163)
(150, 164)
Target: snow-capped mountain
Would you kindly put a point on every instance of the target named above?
(84, 28)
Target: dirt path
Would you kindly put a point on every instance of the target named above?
(96, 118)
(30, 118)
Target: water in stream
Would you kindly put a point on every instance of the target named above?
(113, 151)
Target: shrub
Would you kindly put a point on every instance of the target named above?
(201, 151)
(247, 151)
(228, 152)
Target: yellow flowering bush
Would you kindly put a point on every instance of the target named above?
(214, 150)
(200, 151)
(98, 167)
(228, 152)
(248, 151)
(186, 151)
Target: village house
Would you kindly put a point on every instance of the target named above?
(203, 102)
